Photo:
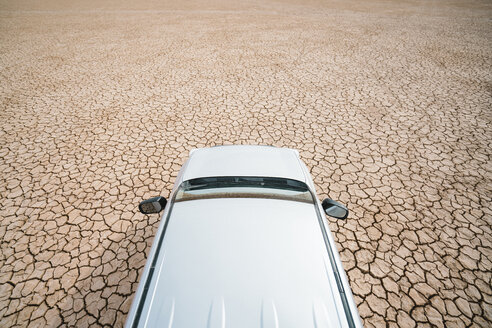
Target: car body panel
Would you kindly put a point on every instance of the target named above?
(260, 161)
(238, 257)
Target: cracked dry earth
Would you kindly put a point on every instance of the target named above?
(388, 102)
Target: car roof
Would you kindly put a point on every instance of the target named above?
(243, 263)
(244, 160)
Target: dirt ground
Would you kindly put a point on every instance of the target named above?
(388, 102)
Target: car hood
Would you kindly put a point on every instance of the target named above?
(245, 160)
(243, 263)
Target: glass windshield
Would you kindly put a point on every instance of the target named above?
(244, 187)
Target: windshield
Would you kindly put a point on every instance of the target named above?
(244, 187)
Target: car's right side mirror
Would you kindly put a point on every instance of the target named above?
(152, 205)
(334, 209)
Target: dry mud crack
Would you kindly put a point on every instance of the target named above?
(389, 104)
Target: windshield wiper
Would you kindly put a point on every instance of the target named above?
(258, 182)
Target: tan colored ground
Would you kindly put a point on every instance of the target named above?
(389, 103)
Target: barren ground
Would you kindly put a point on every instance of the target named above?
(388, 102)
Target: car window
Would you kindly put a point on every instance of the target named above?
(244, 187)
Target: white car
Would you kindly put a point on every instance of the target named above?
(243, 243)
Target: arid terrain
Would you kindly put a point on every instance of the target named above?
(388, 102)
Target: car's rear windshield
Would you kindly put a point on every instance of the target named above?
(244, 187)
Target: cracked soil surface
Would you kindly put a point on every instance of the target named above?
(388, 102)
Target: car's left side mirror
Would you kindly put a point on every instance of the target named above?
(334, 209)
(152, 205)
